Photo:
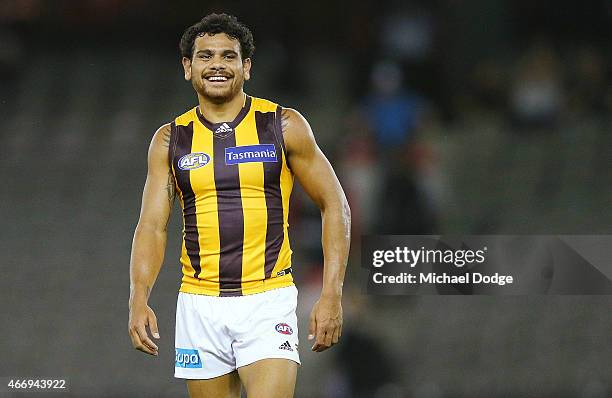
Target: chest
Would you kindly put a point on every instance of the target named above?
(241, 162)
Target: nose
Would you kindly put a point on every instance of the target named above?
(217, 64)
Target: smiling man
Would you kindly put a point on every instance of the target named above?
(232, 160)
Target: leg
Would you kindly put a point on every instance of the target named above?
(269, 378)
(203, 354)
(226, 386)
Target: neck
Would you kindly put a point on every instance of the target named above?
(223, 112)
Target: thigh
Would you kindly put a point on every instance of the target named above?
(269, 378)
(202, 348)
(226, 386)
(270, 330)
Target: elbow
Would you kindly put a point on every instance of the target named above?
(336, 207)
(346, 211)
(343, 211)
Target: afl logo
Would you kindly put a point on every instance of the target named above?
(284, 328)
(193, 161)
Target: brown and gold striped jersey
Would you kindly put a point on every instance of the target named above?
(234, 185)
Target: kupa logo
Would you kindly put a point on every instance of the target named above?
(284, 328)
(187, 358)
(193, 161)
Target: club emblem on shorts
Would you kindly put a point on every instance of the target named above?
(286, 346)
(187, 358)
(193, 161)
(284, 328)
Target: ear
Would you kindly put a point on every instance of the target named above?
(246, 67)
(187, 68)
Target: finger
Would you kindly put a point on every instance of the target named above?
(319, 344)
(153, 325)
(138, 344)
(146, 350)
(144, 338)
(319, 347)
(316, 346)
(329, 334)
(134, 338)
(320, 337)
(312, 326)
(336, 335)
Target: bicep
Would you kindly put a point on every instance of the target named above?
(308, 163)
(159, 191)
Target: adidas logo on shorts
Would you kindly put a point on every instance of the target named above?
(286, 346)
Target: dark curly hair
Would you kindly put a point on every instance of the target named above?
(218, 23)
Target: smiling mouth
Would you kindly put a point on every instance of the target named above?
(216, 79)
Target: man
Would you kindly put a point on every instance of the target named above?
(232, 160)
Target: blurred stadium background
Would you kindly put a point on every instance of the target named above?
(444, 116)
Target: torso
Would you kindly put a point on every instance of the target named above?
(234, 185)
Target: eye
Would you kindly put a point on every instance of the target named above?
(204, 56)
(230, 56)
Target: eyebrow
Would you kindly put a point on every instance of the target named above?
(224, 52)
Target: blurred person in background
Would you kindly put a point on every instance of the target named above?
(589, 92)
(232, 160)
(537, 93)
(393, 115)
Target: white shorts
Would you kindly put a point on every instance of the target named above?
(217, 335)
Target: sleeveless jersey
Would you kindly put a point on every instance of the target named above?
(234, 185)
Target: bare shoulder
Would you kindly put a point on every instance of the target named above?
(162, 136)
(160, 144)
(296, 130)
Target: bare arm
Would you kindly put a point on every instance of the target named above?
(317, 176)
(149, 242)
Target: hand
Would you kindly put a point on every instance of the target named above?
(141, 315)
(325, 323)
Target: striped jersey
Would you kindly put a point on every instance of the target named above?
(234, 185)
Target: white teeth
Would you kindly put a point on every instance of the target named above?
(217, 78)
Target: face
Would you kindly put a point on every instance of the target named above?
(217, 70)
